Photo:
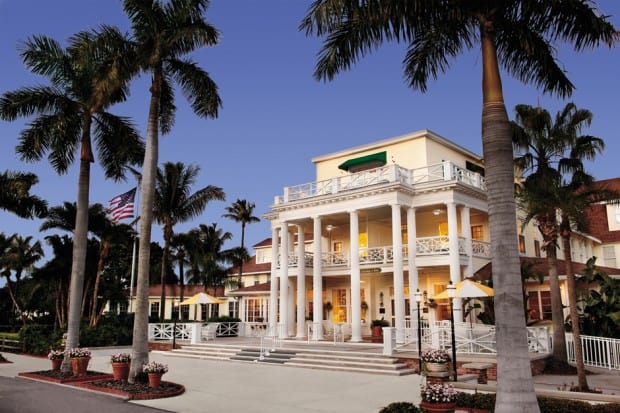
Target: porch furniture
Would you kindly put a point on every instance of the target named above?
(209, 331)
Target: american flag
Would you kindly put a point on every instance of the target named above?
(121, 206)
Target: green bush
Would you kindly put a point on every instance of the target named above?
(551, 405)
(606, 408)
(224, 319)
(39, 339)
(400, 407)
(476, 400)
(111, 330)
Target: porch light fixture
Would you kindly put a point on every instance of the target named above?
(437, 211)
(452, 294)
(418, 300)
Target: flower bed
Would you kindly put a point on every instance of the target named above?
(435, 356)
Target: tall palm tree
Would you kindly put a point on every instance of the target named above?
(241, 211)
(20, 254)
(15, 195)
(165, 32)
(207, 257)
(84, 82)
(175, 203)
(546, 150)
(180, 245)
(574, 198)
(517, 35)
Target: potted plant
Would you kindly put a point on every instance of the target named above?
(120, 365)
(435, 360)
(438, 398)
(56, 356)
(80, 357)
(155, 370)
(376, 327)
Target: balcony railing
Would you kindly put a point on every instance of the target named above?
(445, 171)
(425, 246)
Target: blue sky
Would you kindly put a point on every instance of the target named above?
(275, 116)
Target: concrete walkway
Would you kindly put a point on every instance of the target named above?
(221, 386)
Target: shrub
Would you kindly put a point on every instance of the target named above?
(606, 408)
(38, 339)
(111, 330)
(400, 407)
(476, 401)
(552, 405)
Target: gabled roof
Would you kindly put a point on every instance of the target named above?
(174, 290)
(251, 267)
(257, 289)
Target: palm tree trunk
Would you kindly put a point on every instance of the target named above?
(14, 299)
(164, 267)
(547, 225)
(78, 265)
(572, 305)
(140, 346)
(241, 261)
(103, 255)
(515, 389)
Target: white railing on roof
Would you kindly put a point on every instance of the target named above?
(445, 171)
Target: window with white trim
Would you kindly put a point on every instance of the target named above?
(609, 255)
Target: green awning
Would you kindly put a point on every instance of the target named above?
(364, 162)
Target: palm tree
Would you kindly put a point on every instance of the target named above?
(164, 32)
(207, 257)
(574, 198)
(241, 211)
(549, 149)
(180, 244)
(518, 35)
(84, 82)
(19, 254)
(15, 195)
(174, 203)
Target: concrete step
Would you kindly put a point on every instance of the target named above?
(325, 359)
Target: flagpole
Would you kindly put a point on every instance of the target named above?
(135, 246)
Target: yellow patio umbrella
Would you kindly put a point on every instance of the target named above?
(201, 298)
(467, 289)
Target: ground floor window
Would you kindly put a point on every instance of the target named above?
(539, 305)
(208, 311)
(154, 309)
(256, 310)
(122, 307)
(233, 309)
(185, 312)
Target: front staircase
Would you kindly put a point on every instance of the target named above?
(305, 357)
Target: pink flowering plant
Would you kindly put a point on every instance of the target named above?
(435, 356)
(78, 352)
(120, 358)
(155, 367)
(438, 393)
(56, 355)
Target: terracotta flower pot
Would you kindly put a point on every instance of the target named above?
(120, 371)
(155, 379)
(438, 407)
(79, 365)
(56, 363)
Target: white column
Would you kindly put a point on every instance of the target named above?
(414, 284)
(317, 280)
(455, 266)
(290, 294)
(466, 233)
(273, 290)
(301, 282)
(283, 325)
(399, 282)
(356, 311)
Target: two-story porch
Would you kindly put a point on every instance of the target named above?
(355, 235)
